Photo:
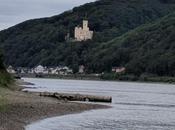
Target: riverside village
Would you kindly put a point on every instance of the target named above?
(80, 34)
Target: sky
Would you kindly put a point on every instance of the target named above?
(13, 12)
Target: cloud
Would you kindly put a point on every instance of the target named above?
(16, 11)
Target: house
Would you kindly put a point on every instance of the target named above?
(31, 71)
(11, 70)
(54, 70)
(83, 34)
(70, 71)
(118, 69)
(81, 69)
(65, 70)
(39, 69)
(23, 71)
(62, 70)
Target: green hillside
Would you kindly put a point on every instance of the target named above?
(41, 41)
(149, 49)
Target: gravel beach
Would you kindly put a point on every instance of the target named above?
(20, 109)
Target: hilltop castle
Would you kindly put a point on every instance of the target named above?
(83, 34)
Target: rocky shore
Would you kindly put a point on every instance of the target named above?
(19, 109)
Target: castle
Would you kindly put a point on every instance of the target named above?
(83, 34)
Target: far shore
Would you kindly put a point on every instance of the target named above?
(98, 79)
(18, 109)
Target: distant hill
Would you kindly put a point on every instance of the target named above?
(41, 41)
(149, 49)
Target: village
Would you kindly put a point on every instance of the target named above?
(41, 71)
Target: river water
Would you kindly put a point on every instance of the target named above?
(135, 106)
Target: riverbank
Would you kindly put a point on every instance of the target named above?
(17, 109)
(107, 77)
(59, 76)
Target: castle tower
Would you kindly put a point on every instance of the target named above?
(85, 25)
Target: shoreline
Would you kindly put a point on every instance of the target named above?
(120, 81)
(21, 109)
(93, 77)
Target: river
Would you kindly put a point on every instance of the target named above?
(135, 106)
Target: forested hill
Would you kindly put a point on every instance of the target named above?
(41, 41)
(149, 49)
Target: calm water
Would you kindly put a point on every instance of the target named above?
(135, 106)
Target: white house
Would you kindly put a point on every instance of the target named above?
(11, 70)
(81, 69)
(118, 69)
(39, 69)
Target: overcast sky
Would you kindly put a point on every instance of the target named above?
(16, 11)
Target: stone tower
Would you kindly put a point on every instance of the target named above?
(85, 25)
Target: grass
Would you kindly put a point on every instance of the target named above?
(3, 99)
(5, 78)
(5, 81)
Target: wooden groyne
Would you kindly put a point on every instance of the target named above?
(75, 97)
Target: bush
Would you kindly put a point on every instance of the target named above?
(5, 78)
(120, 77)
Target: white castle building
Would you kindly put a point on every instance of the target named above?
(83, 34)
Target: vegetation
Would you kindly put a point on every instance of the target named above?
(5, 78)
(3, 100)
(42, 41)
(127, 33)
(147, 50)
(142, 78)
